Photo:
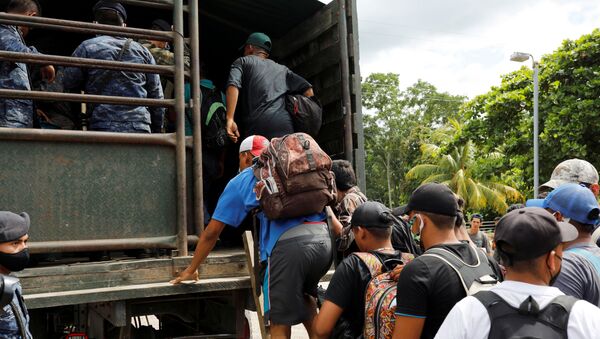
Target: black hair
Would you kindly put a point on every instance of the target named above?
(441, 221)
(108, 17)
(477, 216)
(23, 6)
(514, 207)
(380, 233)
(587, 228)
(345, 178)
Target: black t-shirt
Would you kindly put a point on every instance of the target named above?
(429, 288)
(263, 84)
(348, 286)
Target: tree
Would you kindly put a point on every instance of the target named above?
(456, 170)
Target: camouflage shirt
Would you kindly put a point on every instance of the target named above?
(13, 75)
(344, 210)
(9, 325)
(117, 118)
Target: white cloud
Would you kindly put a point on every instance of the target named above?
(463, 48)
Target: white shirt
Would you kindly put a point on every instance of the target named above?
(470, 320)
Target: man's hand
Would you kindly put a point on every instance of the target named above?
(395, 273)
(184, 276)
(48, 73)
(232, 130)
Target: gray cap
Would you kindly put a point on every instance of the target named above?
(572, 171)
(13, 226)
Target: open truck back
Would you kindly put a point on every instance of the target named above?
(94, 191)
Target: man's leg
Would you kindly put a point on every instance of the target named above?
(280, 331)
(311, 306)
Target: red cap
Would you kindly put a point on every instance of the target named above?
(255, 144)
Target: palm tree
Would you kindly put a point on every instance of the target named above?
(456, 171)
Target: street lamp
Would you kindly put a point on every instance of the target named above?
(521, 57)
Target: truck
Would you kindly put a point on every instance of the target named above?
(97, 192)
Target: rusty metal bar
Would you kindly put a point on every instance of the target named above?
(45, 59)
(101, 244)
(84, 27)
(180, 111)
(96, 99)
(197, 117)
(44, 135)
(345, 66)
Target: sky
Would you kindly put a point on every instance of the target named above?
(463, 46)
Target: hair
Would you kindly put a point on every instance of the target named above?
(108, 17)
(345, 178)
(477, 216)
(441, 221)
(587, 228)
(514, 207)
(23, 6)
(258, 49)
(380, 233)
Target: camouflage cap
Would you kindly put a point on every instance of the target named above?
(575, 171)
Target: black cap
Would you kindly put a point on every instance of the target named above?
(13, 226)
(161, 25)
(372, 214)
(111, 5)
(530, 232)
(432, 198)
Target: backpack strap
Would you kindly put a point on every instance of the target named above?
(372, 262)
(494, 304)
(466, 273)
(558, 311)
(593, 259)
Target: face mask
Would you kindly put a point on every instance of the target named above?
(15, 262)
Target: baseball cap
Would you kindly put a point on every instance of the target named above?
(113, 6)
(572, 171)
(372, 214)
(255, 144)
(161, 25)
(433, 198)
(573, 201)
(259, 40)
(13, 226)
(530, 232)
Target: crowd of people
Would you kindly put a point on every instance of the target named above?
(413, 272)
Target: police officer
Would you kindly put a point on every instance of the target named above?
(14, 256)
(18, 113)
(117, 118)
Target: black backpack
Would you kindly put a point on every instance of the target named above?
(527, 321)
(306, 113)
(214, 119)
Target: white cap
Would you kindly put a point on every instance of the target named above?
(255, 144)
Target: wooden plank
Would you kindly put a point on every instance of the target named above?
(130, 292)
(307, 31)
(258, 301)
(326, 58)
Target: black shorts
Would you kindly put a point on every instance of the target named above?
(293, 270)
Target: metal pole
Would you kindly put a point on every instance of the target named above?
(196, 115)
(536, 179)
(89, 98)
(180, 111)
(344, 63)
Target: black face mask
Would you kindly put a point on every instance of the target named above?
(554, 277)
(15, 262)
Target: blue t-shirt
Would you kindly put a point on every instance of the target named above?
(238, 199)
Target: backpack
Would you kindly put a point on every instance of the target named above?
(380, 295)
(474, 278)
(214, 119)
(294, 178)
(527, 321)
(306, 113)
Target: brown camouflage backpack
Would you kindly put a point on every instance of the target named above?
(294, 178)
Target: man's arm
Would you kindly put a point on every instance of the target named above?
(206, 243)
(232, 99)
(325, 321)
(13, 43)
(408, 327)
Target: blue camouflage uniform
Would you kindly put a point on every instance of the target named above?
(9, 325)
(117, 118)
(13, 75)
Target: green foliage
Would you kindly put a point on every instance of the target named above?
(569, 106)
